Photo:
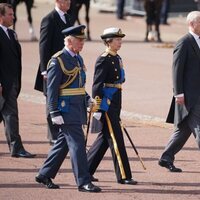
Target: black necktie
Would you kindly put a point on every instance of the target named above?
(66, 18)
(76, 57)
(11, 36)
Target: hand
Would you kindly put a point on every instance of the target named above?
(91, 104)
(57, 120)
(180, 100)
(44, 74)
(97, 115)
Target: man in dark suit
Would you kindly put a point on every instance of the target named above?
(10, 81)
(51, 41)
(66, 98)
(185, 107)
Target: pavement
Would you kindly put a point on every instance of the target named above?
(146, 98)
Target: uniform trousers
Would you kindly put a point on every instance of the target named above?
(191, 124)
(70, 138)
(101, 144)
(11, 120)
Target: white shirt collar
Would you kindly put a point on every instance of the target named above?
(3, 27)
(61, 13)
(70, 52)
(196, 37)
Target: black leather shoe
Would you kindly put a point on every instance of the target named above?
(169, 165)
(46, 181)
(128, 181)
(93, 179)
(89, 188)
(23, 154)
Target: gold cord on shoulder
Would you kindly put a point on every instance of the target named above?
(71, 73)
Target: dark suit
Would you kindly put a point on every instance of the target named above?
(108, 70)
(10, 79)
(186, 118)
(73, 110)
(51, 41)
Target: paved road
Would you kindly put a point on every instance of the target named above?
(147, 95)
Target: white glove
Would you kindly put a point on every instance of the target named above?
(91, 103)
(97, 115)
(57, 120)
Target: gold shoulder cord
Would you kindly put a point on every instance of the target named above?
(71, 73)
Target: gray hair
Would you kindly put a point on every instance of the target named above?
(193, 16)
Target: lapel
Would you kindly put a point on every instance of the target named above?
(9, 42)
(59, 21)
(194, 45)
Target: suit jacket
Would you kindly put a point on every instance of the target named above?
(10, 62)
(186, 73)
(51, 41)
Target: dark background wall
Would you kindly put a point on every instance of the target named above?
(183, 5)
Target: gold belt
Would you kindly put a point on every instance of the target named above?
(72, 91)
(117, 85)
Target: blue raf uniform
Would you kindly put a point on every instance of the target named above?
(107, 90)
(66, 97)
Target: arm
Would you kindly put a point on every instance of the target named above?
(46, 36)
(54, 77)
(179, 59)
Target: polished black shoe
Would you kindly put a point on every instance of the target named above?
(89, 188)
(169, 165)
(23, 154)
(93, 179)
(46, 181)
(128, 181)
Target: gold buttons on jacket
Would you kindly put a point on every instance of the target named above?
(113, 62)
(117, 77)
(115, 69)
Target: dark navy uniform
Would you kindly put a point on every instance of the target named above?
(108, 78)
(72, 107)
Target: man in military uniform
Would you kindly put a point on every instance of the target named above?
(108, 78)
(66, 98)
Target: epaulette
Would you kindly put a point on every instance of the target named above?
(57, 54)
(104, 54)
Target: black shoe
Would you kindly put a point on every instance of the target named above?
(169, 165)
(23, 154)
(93, 179)
(128, 181)
(89, 188)
(46, 181)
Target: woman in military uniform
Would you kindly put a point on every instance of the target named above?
(106, 90)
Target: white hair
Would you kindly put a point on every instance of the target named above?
(193, 16)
